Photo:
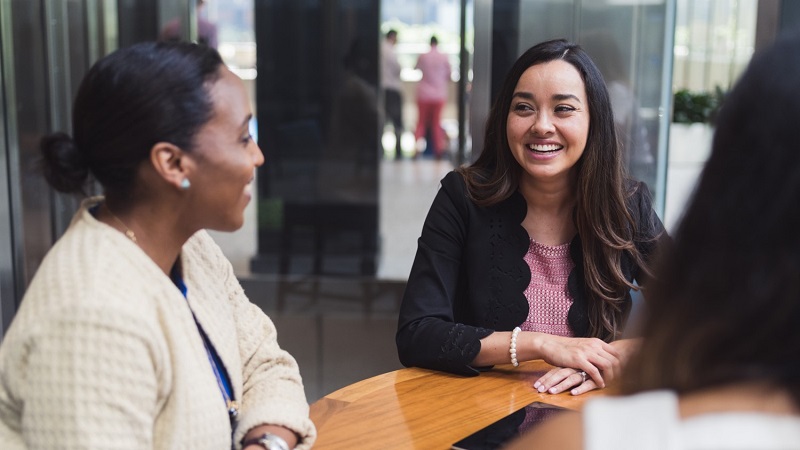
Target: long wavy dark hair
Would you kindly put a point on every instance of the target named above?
(726, 306)
(602, 219)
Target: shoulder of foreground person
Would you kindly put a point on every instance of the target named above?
(564, 432)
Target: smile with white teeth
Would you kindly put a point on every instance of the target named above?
(544, 148)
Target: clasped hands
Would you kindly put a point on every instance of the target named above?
(601, 362)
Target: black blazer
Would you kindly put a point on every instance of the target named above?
(469, 276)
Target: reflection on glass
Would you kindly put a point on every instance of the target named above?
(632, 133)
(318, 115)
(206, 30)
(29, 62)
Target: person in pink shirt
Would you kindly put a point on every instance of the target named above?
(206, 30)
(432, 95)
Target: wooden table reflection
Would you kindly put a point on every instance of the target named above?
(424, 409)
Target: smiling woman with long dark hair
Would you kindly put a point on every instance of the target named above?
(532, 251)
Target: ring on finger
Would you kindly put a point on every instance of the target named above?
(583, 375)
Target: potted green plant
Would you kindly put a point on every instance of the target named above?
(696, 107)
(690, 135)
(691, 130)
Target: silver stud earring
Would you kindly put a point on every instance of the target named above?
(185, 184)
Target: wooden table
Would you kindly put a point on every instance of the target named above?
(423, 409)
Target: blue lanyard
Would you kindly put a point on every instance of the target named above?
(216, 363)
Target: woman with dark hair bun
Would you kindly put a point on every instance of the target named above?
(531, 252)
(718, 364)
(134, 332)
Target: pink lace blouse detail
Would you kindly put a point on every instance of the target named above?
(549, 299)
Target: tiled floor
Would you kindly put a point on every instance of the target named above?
(345, 335)
(407, 191)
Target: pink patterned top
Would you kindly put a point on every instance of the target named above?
(549, 299)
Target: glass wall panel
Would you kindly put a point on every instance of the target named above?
(150, 20)
(140, 21)
(31, 85)
(714, 41)
(627, 43)
(229, 24)
(10, 247)
(68, 59)
(318, 117)
(542, 20)
(47, 45)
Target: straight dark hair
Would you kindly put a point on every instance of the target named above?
(726, 306)
(602, 219)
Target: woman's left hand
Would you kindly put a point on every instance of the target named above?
(560, 379)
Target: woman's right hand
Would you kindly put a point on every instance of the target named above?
(597, 358)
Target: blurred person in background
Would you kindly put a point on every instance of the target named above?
(206, 30)
(392, 88)
(431, 98)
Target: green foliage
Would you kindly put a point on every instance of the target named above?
(696, 107)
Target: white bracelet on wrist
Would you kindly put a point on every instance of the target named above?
(513, 347)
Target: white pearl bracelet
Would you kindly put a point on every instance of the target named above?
(513, 348)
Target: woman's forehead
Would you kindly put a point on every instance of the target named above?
(229, 98)
(551, 77)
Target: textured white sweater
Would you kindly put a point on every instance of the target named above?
(104, 352)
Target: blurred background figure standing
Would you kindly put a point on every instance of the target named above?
(206, 30)
(392, 88)
(431, 97)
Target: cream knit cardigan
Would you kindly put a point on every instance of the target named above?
(104, 352)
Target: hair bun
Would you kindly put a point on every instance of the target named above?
(63, 165)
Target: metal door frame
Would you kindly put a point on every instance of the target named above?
(10, 201)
